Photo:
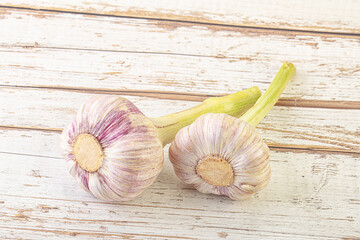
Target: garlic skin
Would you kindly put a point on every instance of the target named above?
(115, 151)
(112, 149)
(222, 155)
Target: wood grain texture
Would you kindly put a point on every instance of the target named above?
(43, 197)
(115, 54)
(165, 57)
(282, 128)
(326, 16)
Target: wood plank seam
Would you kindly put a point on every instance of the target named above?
(272, 29)
(37, 46)
(272, 146)
(133, 204)
(196, 97)
(126, 235)
(75, 232)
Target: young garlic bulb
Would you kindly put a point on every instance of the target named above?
(114, 151)
(223, 155)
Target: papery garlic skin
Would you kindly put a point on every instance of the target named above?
(132, 154)
(115, 151)
(218, 138)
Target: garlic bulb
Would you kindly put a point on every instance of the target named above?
(114, 151)
(223, 155)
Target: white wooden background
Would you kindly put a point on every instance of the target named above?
(167, 56)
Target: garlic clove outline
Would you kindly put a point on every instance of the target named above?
(223, 155)
(115, 152)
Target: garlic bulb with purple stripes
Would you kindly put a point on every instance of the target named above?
(115, 152)
(224, 155)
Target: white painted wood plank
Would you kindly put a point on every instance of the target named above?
(235, 59)
(337, 129)
(313, 196)
(335, 15)
(315, 79)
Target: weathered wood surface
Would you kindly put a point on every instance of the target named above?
(166, 57)
(327, 16)
(107, 53)
(304, 200)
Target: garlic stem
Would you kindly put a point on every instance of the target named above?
(263, 105)
(234, 104)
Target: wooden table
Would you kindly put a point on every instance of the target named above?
(167, 56)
